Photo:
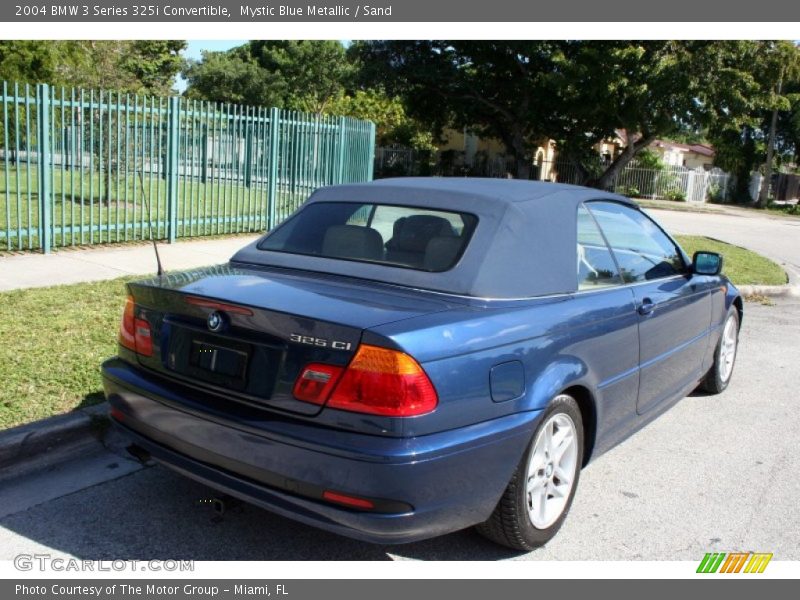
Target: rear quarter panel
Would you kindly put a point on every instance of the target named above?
(587, 339)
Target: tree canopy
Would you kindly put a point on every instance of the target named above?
(741, 96)
(140, 66)
(575, 92)
(301, 75)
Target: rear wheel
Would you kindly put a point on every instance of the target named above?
(719, 375)
(540, 493)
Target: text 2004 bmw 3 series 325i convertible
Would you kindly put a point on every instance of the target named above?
(409, 357)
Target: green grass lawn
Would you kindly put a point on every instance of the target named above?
(51, 346)
(742, 266)
(90, 208)
(54, 339)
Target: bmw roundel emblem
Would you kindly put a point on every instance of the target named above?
(215, 321)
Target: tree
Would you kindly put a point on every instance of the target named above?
(494, 87)
(154, 64)
(126, 66)
(302, 75)
(781, 62)
(743, 145)
(393, 125)
(575, 92)
(28, 61)
(232, 76)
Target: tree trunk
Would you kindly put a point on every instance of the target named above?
(523, 167)
(763, 194)
(619, 163)
(515, 144)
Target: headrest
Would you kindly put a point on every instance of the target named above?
(352, 241)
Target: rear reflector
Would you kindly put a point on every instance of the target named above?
(352, 501)
(377, 381)
(316, 383)
(144, 341)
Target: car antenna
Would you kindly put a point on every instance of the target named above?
(160, 271)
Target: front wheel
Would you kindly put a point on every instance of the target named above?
(540, 493)
(718, 377)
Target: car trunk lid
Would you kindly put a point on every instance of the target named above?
(271, 324)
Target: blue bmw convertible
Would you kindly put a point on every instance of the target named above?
(409, 357)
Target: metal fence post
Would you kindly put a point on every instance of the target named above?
(204, 154)
(371, 152)
(342, 147)
(272, 183)
(43, 166)
(248, 151)
(173, 146)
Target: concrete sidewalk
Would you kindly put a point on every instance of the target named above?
(66, 266)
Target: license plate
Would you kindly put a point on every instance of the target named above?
(218, 359)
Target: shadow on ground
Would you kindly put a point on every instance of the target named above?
(156, 514)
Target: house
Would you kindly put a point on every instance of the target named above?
(691, 156)
(488, 156)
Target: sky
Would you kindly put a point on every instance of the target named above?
(194, 49)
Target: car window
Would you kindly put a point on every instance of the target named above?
(403, 236)
(642, 251)
(596, 266)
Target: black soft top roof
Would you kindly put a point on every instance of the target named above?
(524, 244)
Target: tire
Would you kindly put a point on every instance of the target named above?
(720, 373)
(519, 521)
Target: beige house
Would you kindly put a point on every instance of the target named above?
(691, 156)
(474, 148)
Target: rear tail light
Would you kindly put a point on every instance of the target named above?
(377, 381)
(316, 383)
(135, 333)
(127, 329)
(144, 341)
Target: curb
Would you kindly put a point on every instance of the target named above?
(773, 291)
(43, 443)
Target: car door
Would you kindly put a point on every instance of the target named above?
(674, 309)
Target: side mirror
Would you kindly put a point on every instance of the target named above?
(706, 263)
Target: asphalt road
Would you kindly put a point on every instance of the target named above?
(715, 473)
(775, 237)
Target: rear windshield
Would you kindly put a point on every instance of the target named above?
(400, 236)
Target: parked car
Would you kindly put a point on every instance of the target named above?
(409, 357)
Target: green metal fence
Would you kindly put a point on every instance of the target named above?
(77, 166)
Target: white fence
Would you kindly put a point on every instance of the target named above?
(668, 182)
(676, 183)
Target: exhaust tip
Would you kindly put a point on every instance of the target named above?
(139, 453)
(223, 504)
(218, 504)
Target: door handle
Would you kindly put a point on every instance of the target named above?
(646, 307)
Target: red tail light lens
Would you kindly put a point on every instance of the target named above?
(127, 329)
(144, 341)
(316, 383)
(135, 334)
(385, 382)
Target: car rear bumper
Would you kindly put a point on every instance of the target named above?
(422, 487)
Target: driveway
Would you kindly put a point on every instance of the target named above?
(715, 473)
(775, 237)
